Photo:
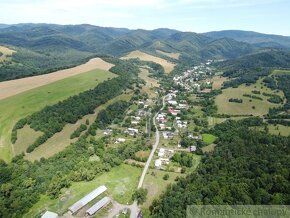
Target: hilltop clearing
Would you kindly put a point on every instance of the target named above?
(168, 66)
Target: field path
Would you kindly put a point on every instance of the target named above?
(13, 87)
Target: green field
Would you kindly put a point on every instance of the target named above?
(281, 72)
(156, 184)
(208, 138)
(121, 182)
(14, 108)
(249, 106)
(276, 129)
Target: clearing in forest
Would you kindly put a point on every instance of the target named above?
(16, 107)
(168, 66)
(151, 83)
(5, 53)
(13, 87)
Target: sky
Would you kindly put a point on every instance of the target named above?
(266, 16)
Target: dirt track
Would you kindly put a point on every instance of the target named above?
(13, 87)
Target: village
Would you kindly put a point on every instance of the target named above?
(179, 147)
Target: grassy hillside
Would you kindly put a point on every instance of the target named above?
(21, 105)
(249, 106)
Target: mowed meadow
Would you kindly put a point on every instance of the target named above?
(168, 66)
(18, 106)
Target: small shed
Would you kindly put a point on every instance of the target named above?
(99, 205)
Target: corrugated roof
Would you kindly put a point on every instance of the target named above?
(89, 197)
(104, 201)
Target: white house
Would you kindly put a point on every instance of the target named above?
(158, 163)
(161, 152)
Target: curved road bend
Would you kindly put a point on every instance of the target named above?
(134, 208)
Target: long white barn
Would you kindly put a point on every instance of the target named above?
(85, 200)
(100, 204)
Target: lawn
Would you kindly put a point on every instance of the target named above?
(16, 107)
(208, 138)
(121, 182)
(249, 106)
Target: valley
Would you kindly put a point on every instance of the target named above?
(158, 119)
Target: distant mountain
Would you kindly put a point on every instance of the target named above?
(254, 38)
(42, 48)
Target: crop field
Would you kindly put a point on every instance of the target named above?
(16, 107)
(168, 66)
(13, 87)
(61, 140)
(249, 106)
(171, 55)
(6, 53)
(121, 182)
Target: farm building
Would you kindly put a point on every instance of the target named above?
(88, 198)
(99, 205)
(49, 214)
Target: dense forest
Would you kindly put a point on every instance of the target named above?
(248, 69)
(247, 167)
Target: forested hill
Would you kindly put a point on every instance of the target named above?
(247, 167)
(257, 39)
(43, 48)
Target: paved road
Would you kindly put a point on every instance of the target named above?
(134, 208)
